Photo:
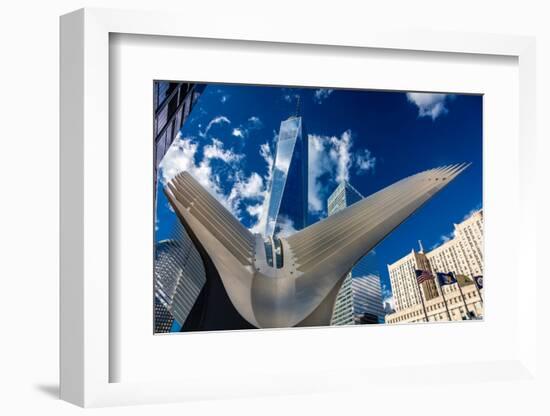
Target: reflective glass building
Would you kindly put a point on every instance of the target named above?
(173, 102)
(359, 299)
(179, 279)
(287, 205)
(172, 105)
(367, 292)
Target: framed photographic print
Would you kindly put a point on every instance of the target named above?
(238, 210)
(258, 217)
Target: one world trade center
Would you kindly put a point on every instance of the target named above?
(287, 204)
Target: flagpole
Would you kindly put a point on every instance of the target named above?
(422, 299)
(443, 295)
(462, 294)
(478, 291)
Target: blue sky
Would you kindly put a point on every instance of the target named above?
(370, 138)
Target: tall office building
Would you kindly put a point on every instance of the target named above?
(458, 305)
(287, 204)
(360, 292)
(367, 298)
(405, 290)
(179, 277)
(462, 255)
(163, 318)
(172, 102)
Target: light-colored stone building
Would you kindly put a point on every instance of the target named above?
(403, 281)
(462, 255)
(459, 308)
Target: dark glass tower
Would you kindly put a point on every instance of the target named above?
(173, 102)
(287, 204)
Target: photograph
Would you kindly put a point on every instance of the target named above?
(289, 206)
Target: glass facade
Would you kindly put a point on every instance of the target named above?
(360, 297)
(172, 102)
(176, 261)
(367, 294)
(287, 206)
(179, 279)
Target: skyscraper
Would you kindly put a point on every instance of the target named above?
(367, 291)
(367, 299)
(179, 278)
(287, 204)
(360, 293)
(172, 103)
(462, 254)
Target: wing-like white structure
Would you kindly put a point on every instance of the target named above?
(294, 281)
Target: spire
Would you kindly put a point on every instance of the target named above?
(420, 245)
(297, 105)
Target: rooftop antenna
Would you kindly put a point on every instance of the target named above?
(421, 247)
(297, 104)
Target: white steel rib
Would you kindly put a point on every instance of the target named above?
(300, 289)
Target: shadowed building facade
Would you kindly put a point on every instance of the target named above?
(300, 287)
(172, 102)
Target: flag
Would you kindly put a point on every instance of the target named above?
(464, 280)
(446, 278)
(423, 275)
(478, 281)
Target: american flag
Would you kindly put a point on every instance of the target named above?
(423, 275)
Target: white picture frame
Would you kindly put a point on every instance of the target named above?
(86, 355)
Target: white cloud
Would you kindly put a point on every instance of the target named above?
(322, 94)
(330, 162)
(365, 161)
(256, 211)
(286, 226)
(443, 239)
(237, 132)
(265, 152)
(251, 187)
(290, 97)
(182, 156)
(429, 105)
(179, 157)
(340, 154)
(471, 212)
(319, 165)
(327, 155)
(255, 122)
(213, 122)
(259, 210)
(216, 151)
